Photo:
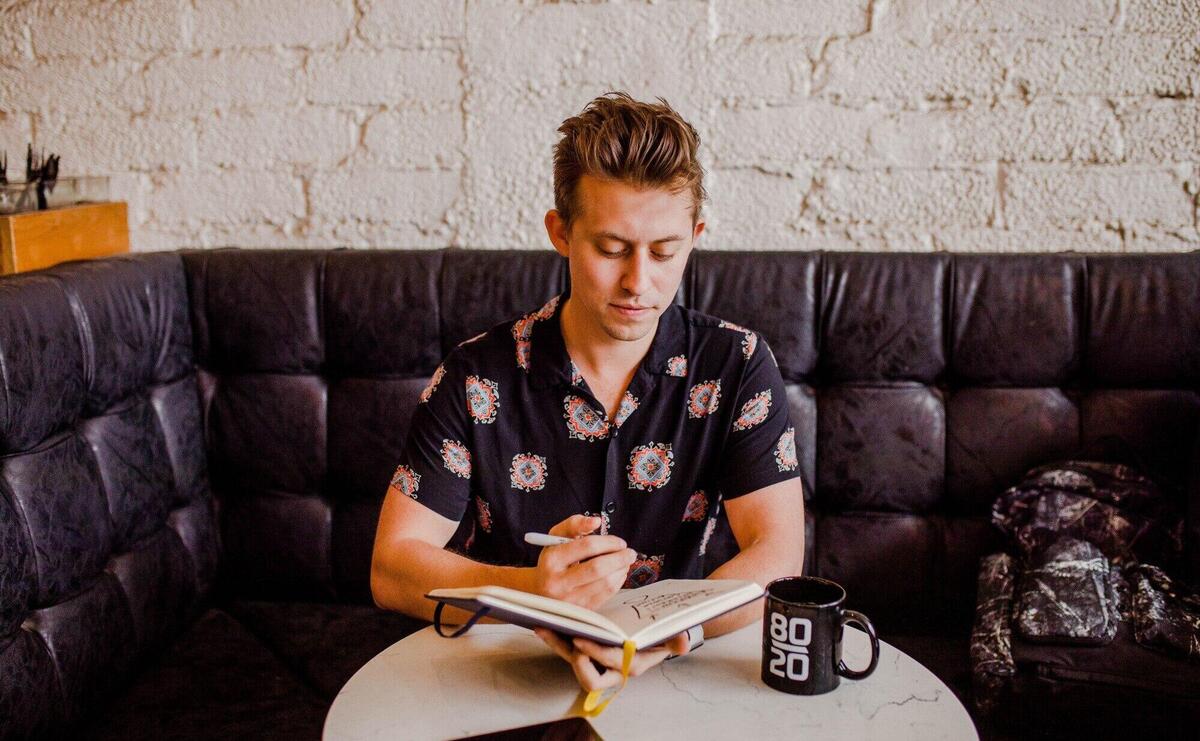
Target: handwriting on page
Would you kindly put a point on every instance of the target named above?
(651, 606)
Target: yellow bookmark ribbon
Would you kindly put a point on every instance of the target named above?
(597, 700)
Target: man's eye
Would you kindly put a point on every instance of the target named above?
(661, 257)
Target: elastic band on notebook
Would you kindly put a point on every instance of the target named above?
(597, 700)
(437, 621)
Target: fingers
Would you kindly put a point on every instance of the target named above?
(575, 525)
(556, 643)
(612, 657)
(589, 677)
(647, 659)
(561, 574)
(586, 571)
(603, 565)
(609, 656)
(581, 549)
(597, 592)
(678, 645)
(581, 664)
(581, 652)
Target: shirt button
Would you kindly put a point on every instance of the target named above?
(610, 507)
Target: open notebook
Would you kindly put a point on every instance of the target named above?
(644, 617)
(632, 619)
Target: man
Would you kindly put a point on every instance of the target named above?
(610, 415)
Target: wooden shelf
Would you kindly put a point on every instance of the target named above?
(39, 239)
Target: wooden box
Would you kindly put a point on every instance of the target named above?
(39, 239)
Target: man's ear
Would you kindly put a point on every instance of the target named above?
(556, 230)
(697, 231)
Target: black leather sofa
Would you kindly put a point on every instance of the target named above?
(194, 447)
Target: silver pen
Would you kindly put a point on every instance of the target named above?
(543, 539)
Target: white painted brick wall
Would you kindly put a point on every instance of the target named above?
(120, 141)
(410, 24)
(69, 86)
(1112, 196)
(1110, 66)
(282, 139)
(813, 19)
(972, 125)
(197, 84)
(749, 137)
(1178, 17)
(250, 24)
(922, 20)
(1160, 130)
(904, 197)
(189, 199)
(106, 30)
(387, 77)
(410, 138)
(899, 74)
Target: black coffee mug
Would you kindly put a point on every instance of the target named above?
(802, 636)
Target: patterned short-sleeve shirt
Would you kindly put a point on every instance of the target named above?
(508, 433)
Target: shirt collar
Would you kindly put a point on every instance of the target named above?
(669, 341)
(549, 363)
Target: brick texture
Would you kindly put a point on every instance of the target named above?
(236, 197)
(814, 18)
(967, 125)
(382, 77)
(411, 24)
(316, 136)
(262, 23)
(904, 197)
(81, 30)
(1108, 195)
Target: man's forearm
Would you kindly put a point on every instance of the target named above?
(763, 562)
(411, 568)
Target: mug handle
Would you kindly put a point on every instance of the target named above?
(853, 616)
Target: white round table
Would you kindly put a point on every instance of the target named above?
(501, 676)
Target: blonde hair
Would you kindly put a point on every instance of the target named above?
(619, 138)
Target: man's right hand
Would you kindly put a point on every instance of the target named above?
(586, 571)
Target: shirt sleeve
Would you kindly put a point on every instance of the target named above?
(760, 446)
(435, 468)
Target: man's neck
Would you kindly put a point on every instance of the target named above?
(593, 349)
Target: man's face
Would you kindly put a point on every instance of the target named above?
(627, 250)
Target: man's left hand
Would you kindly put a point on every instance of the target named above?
(580, 652)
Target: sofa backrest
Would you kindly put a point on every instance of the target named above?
(921, 385)
(926, 384)
(311, 363)
(107, 531)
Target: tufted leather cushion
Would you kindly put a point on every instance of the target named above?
(920, 387)
(922, 384)
(1143, 311)
(480, 288)
(106, 520)
(311, 364)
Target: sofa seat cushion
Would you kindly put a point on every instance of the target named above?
(324, 644)
(216, 681)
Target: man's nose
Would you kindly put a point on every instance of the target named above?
(636, 279)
